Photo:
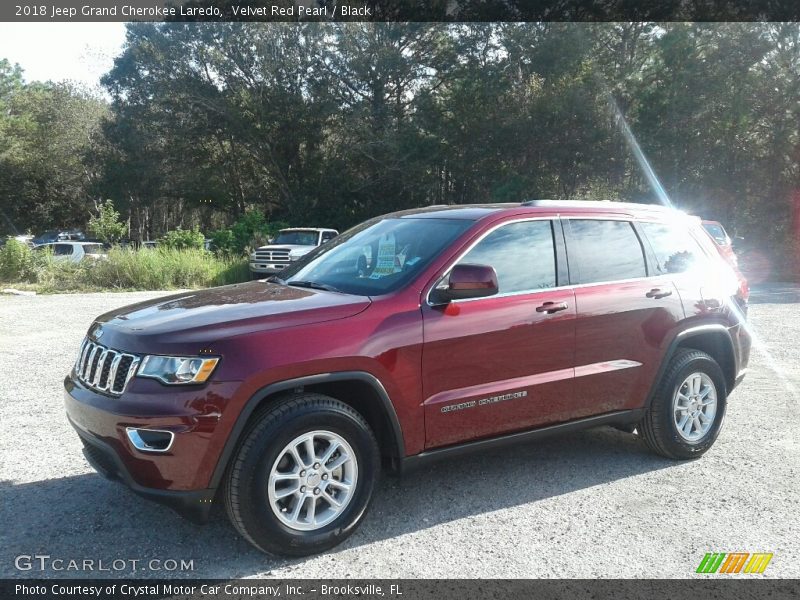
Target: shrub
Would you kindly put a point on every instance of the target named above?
(250, 230)
(165, 268)
(16, 262)
(222, 240)
(126, 269)
(184, 238)
(106, 225)
(57, 275)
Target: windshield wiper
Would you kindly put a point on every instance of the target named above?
(315, 286)
(275, 279)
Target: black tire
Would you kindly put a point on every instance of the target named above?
(246, 495)
(658, 427)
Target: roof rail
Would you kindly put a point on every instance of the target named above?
(594, 203)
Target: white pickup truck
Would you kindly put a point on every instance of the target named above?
(290, 245)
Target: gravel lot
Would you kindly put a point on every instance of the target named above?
(594, 504)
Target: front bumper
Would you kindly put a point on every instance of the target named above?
(194, 505)
(267, 268)
(179, 477)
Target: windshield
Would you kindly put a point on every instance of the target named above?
(376, 257)
(297, 238)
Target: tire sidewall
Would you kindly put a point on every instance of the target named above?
(261, 522)
(676, 443)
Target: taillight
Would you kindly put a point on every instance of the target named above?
(742, 295)
(744, 289)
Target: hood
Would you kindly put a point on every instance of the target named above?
(197, 318)
(286, 247)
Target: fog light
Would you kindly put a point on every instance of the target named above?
(150, 440)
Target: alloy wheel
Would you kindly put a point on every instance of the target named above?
(694, 406)
(313, 480)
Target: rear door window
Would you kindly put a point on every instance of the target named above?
(606, 250)
(522, 254)
(62, 249)
(676, 251)
(93, 249)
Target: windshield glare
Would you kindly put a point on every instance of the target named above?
(298, 238)
(377, 257)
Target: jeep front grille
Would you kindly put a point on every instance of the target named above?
(104, 369)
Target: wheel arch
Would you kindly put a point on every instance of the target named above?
(713, 339)
(358, 389)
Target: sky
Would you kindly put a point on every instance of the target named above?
(80, 52)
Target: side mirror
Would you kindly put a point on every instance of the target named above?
(468, 281)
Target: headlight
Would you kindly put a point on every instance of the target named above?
(177, 370)
(297, 254)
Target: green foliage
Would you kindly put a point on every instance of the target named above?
(126, 269)
(166, 268)
(48, 133)
(240, 125)
(183, 239)
(16, 262)
(106, 225)
(249, 231)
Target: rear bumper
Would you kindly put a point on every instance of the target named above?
(194, 505)
(739, 378)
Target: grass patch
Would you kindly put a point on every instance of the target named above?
(121, 270)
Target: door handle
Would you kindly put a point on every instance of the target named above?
(658, 293)
(552, 307)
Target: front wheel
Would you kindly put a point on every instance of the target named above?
(303, 477)
(688, 409)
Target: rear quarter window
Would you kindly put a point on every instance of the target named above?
(675, 250)
(606, 250)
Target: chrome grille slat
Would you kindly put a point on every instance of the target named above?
(87, 372)
(104, 369)
(112, 372)
(81, 356)
(84, 357)
(98, 370)
(96, 356)
(121, 376)
(131, 370)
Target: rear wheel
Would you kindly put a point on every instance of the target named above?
(688, 410)
(303, 477)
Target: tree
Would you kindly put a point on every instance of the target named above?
(47, 132)
(105, 225)
(327, 124)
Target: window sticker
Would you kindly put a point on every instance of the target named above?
(387, 262)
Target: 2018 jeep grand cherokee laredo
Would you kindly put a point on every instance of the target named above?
(412, 337)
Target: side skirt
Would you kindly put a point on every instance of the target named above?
(623, 417)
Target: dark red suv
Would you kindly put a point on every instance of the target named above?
(412, 337)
